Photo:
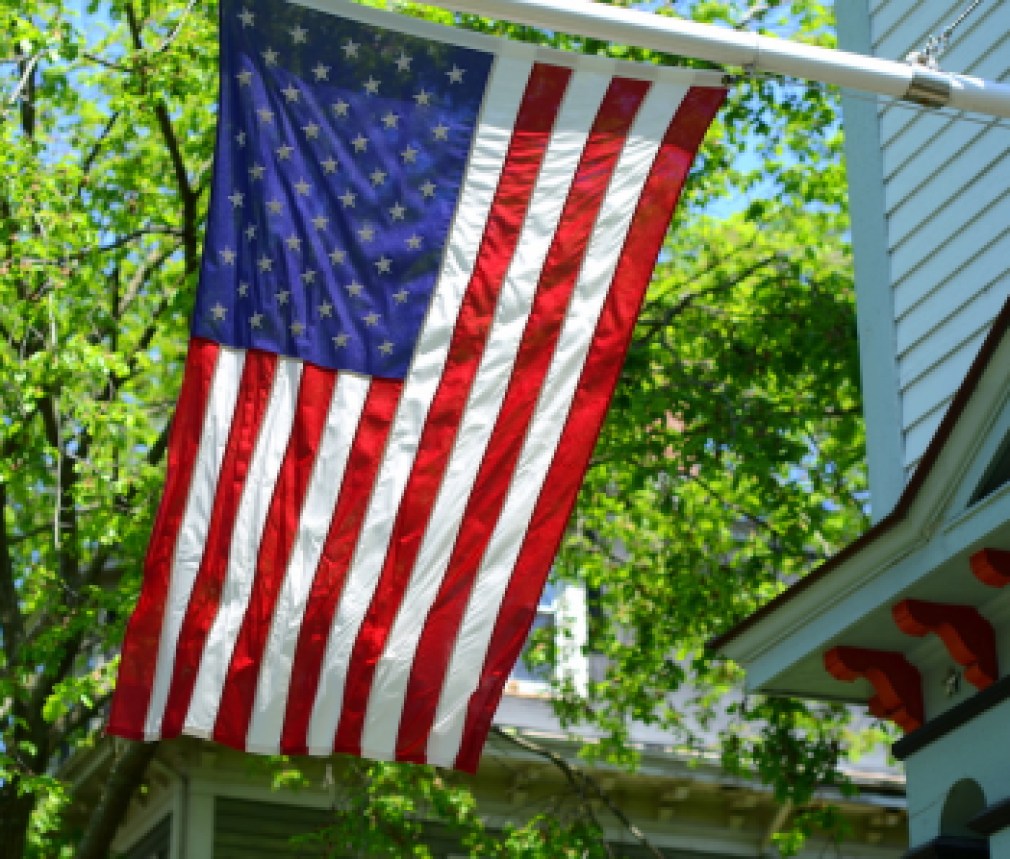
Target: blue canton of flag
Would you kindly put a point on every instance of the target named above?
(339, 159)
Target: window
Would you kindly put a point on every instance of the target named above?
(562, 608)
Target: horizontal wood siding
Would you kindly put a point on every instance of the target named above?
(156, 844)
(244, 829)
(247, 829)
(947, 207)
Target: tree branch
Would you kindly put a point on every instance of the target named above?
(164, 46)
(10, 612)
(89, 160)
(651, 327)
(140, 276)
(580, 780)
(109, 64)
(26, 81)
(126, 776)
(186, 192)
(153, 230)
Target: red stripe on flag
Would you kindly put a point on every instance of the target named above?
(563, 264)
(328, 583)
(596, 385)
(253, 396)
(143, 634)
(280, 530)
(530, 137)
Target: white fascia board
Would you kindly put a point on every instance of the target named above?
(822, 611)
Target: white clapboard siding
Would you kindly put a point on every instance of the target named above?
(918, 435)
(922, 320)
(927, 361)
(947, 208)
(898, 27)
(963, 197)
(950, 262)
(978, 48)
(945, 375)
(938, 180)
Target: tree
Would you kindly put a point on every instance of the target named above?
(731, 462)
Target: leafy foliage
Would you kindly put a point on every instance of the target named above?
(730, 465)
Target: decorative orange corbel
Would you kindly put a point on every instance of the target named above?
(991, 566)
(895, 680)
(967, 635)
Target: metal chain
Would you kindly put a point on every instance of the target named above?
(936, 45)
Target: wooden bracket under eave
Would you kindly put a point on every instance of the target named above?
(991, 566)
(967, 635)
(895, 680)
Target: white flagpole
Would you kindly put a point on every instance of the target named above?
(907, 81)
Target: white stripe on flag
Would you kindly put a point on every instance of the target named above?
(561, 160)
(195, 523)
(346, 404)
(548, 420)
(250, 519)
(491, 141)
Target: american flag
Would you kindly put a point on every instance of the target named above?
(424, 258)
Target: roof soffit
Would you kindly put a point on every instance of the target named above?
(932, 523)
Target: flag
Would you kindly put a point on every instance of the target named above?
(425, 253)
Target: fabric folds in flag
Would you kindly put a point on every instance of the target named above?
(425, 254)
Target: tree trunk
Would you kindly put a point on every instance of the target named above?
(15, 813)
(124, 779)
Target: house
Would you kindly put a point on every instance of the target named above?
(202, 800)
(913, 619)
